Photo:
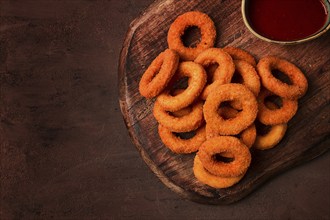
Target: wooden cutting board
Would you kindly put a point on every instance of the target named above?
(308, 132)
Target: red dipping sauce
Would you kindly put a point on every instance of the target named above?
(286, 20)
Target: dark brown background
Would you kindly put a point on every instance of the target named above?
(65, 151)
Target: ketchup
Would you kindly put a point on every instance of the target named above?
(286, 20)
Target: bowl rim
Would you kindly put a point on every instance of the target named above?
(317, 34)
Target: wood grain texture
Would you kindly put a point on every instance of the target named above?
(308, 132)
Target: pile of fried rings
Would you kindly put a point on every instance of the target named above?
(218, 96)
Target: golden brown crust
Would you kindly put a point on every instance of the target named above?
(224, 70)
(299, 82)
(247, 136)
(212, 180)
(181, 23)
(185, 123)
(250, 79)
(179, 145)
(228, 145)
(249, 74)
(282, 115)
(197, 80)
(239, 54)
(158, 74)
(230, 92)
(272, 138)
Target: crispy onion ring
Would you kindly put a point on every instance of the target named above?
(210, 70)
(272, 138)
(249, 75)
(250, 79)
(197, 80)
(274, 135)
(227, 112)
(280, 115)
(224, 71)
(247, 136)
(230, 146)
(230, 92)
(276, 86)
(185, 123)
(239, 54)
(159, 73)
(182, 112)
(212, 180)
(191, 19)
(179, 145)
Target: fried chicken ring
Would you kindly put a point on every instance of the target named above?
(228, 145)
(276, 86)
(159, 73)
(178, 27)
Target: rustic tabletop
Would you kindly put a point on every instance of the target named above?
(65, 152)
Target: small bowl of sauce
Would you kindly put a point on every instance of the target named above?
(286, 21)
